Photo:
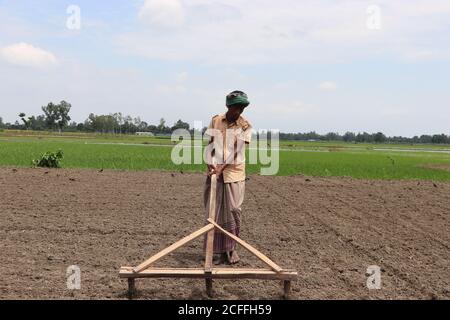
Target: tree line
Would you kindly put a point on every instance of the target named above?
(378, 137)
(56, 117)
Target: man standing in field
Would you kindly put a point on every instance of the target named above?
(229, 133)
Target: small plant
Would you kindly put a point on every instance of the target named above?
(49, 160)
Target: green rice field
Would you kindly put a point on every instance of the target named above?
(125, 152)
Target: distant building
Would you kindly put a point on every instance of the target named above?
(148, 134)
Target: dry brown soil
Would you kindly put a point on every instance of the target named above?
(329, 229)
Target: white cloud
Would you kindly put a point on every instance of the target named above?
(162, 13)
(23, 54)
(328, 86)
(288, 31)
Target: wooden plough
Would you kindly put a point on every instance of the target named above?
(144, 270)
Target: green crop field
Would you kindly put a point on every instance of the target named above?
(371, 161)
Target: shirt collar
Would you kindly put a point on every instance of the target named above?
(224, 118)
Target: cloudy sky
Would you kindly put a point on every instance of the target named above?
(323, 65)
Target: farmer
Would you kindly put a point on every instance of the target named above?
(229, 133)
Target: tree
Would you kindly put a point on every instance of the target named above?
(51, 115)
(119, 119)
(364, 137)
(143, 126)
(82, 127)
(128, 125)
(379, 137)
(439, 138)
(162, 125)
(2, 125)
(25, 121)
(101, 123)
(57, 115)
(349, 137)
(425, 138)
(152, 128)
(37, 123)
(180, 125)
(332, 136)
(72, 127)
(63, 114)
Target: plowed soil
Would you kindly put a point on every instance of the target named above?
(328, 229)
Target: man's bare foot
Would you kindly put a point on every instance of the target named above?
(233, 257)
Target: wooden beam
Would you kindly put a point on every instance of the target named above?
(212, 216)
(131, 288)
(209, 286)
(286, 289)
(250, 248)
(217, 273)
(144, 265)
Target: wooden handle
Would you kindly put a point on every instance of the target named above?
(212, 215)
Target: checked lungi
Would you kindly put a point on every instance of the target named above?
(229, 199)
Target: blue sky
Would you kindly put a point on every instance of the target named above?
(307, 65)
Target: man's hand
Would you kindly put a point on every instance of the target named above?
(219, 169)
(211, 169)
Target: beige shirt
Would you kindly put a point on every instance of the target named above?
(239, 130)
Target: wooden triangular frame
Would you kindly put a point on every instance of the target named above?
(144, 270)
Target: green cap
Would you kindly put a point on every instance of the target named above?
(237, 97)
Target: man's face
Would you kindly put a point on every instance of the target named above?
(234, 112)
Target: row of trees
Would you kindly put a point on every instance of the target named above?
(56, 117)
(378, 137)
(117, 123)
